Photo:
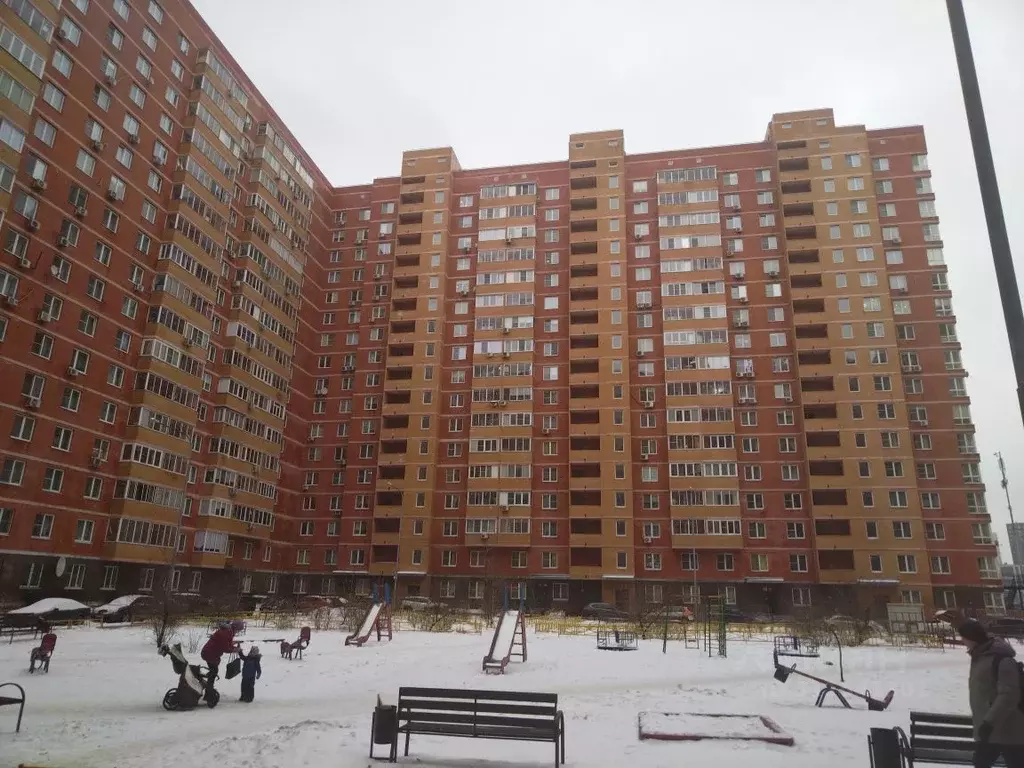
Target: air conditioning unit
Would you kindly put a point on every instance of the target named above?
(494, 403)
(903, 289)
(321, 390)
(743, 299)
(644, 457)
(741, 323)
(787, 399)
(771, 273)
(547, 431)
(94, 461)
(503, 508)
(648, 539)
(237, 284)
(98, 145)
(110, 80)
(232, 492)
(747, 374)
(502, 403)
(112, 194)
(39, 184)
(33, 225)
(648, 404)
(506, 330)
(43, 317)
(24, 263)
(506, 355)
(464, 292)
(640, 353)
(738, 275)
(10, 301)
(133, 138)
(73, 372)
(32, 402)
(491, 354)
(60, 34)
(735, 206)
(138, 287)
(80, 211)
(158, 159)
(186, 342)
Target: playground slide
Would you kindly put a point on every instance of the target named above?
(504, 634)
(363, 634)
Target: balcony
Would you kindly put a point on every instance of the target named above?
(793, 164)
(583, 225)
(583, 318)
(802, 232)
(817, 384)
(583, 294)
(814, 357)
(584, 366)
(796, 187)
(583, 182)
(805, 281)
(815, 331)
(823, 439)
(583, 248)
(790, 210)
(577, 271)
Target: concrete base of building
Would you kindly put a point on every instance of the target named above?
(26, 577)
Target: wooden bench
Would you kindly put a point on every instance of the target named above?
(941, 739)
(8, 699)
(20, 624)
(508, 715)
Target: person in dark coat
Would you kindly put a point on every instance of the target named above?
(995, 694)
(222, 641)
(251, 672)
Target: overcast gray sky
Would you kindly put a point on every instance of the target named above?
(359, 82)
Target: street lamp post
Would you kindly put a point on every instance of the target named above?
(999, 241)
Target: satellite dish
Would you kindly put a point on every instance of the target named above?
(62, 565)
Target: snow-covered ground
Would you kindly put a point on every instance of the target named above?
(100, 703)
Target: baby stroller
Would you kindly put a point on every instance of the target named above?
(191, 683)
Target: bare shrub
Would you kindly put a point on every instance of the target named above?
(194, 639)
(436, 617)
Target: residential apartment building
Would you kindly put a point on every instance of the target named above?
(628, 378)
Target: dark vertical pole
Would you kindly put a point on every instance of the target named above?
(998, 239)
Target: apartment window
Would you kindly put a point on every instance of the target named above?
(42, 526)
(906, 563)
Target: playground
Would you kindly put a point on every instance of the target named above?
(100, 703)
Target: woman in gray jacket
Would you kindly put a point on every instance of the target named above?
(995, 692)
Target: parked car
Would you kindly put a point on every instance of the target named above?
(604, 611)
(416, 603)
(123, 609)
(50, 609)
(734, 615)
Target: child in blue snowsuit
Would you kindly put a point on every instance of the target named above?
(251, 672)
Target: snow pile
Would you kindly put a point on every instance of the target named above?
(100, 703)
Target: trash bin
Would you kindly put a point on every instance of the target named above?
(385, 723)
(886, 752)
